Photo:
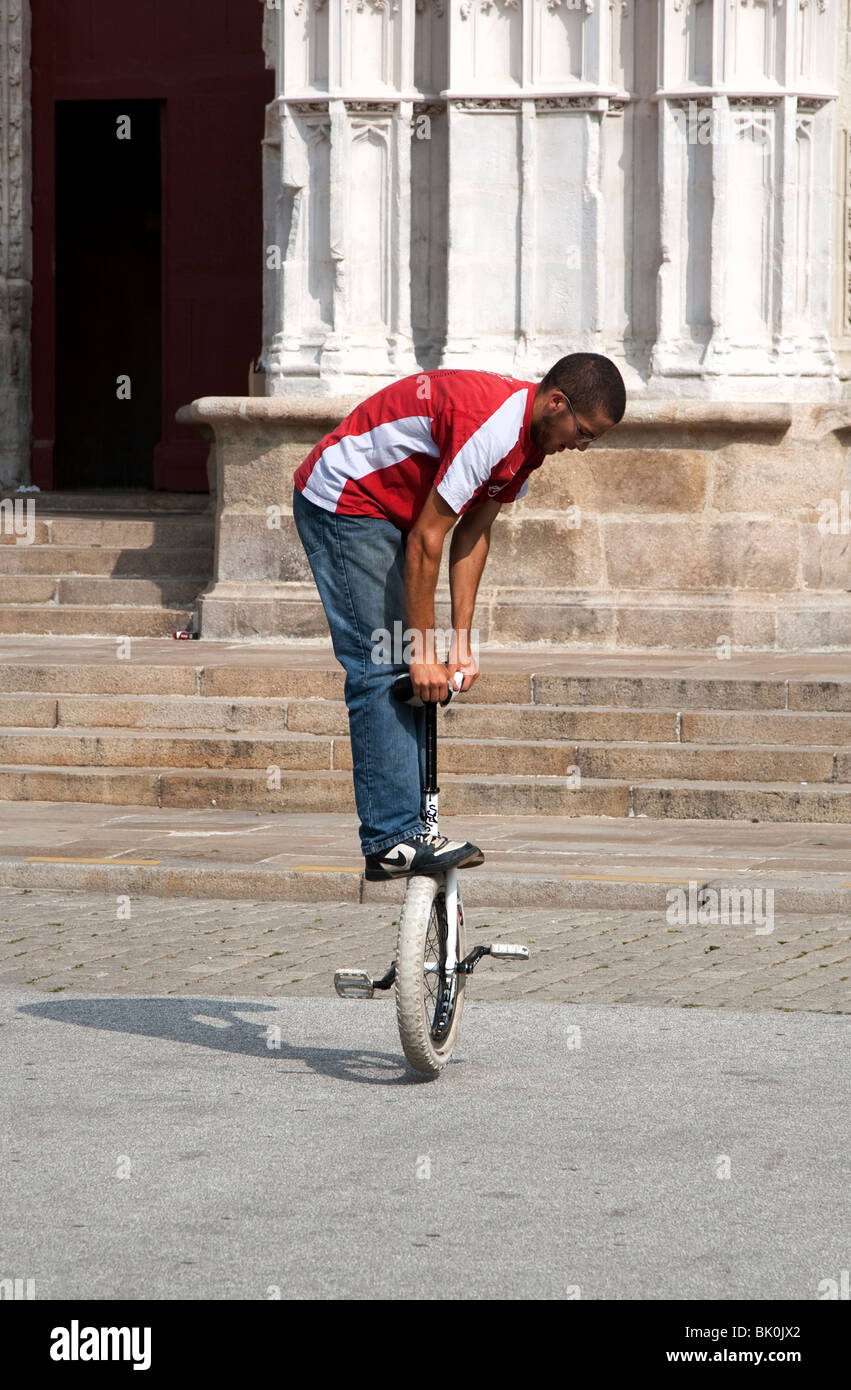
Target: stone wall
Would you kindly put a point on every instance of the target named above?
(697, 525)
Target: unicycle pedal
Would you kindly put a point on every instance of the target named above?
(353, 984)
(356, 984)
(500, 950)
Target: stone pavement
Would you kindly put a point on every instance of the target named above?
(62, 943)
(168, 900)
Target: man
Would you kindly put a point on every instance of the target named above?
(373, 503)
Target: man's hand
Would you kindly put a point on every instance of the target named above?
(430, 680)
(462, 659)
(466, 561)
(422, 562)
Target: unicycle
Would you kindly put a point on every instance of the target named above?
(430, 969)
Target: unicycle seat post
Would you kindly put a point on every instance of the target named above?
(431, 786)
(403, 690)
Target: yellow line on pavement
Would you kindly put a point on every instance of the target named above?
(56, 859)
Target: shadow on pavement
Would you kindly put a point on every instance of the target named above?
(216, 1024)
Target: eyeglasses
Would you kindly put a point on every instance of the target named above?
(583, 434)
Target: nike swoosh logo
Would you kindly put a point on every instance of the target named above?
(401, 859)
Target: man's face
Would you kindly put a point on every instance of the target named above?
(555, 426)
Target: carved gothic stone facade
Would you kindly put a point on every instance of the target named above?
(494, 182)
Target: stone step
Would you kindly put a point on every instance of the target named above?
(132, 677)
(507, 721)
(116, 675)
(600, 863)
(819, 620)
(610, 723)
(134, 533)
(167, 591)
(312, 716)
(103, 591)
(542, 731)
(691, 763)
(35, 588)
(697, 693)
(129, 533)
(86, 621)
(112, 500)
(218, 748)
(631, 762)
(185, 787)
(93, 569)
(706, 728)
(489, 888)
(754, 802)
(200, 671)
(460, 795)
(653, 799)
(189, 562)
(645, 692)
(23, 533)
(821, 727)
(174, 748)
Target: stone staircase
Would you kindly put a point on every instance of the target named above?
(103, 563)
(543, 732)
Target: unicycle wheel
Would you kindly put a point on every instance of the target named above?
(428, 1005)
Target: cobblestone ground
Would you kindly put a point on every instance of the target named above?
(57, 941)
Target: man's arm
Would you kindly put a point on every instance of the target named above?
(422, 564)
(467, 555)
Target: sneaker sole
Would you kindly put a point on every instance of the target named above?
(381, 875)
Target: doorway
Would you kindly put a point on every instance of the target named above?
(157, 240)
(108, 293)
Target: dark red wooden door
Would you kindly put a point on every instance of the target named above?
(202, 61)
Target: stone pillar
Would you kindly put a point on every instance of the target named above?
(341, 126)
(15, 243)
(534, 213)
(841, 210)
(447, 190)
(745, 95)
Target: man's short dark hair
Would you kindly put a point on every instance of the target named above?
(591, 382)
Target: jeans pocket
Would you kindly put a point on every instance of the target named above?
(310, 524)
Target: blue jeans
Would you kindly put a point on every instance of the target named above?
(358, 563)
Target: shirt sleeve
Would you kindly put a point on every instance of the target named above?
(472, 447)
(518, 487)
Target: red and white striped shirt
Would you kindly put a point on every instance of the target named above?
(465, 433)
